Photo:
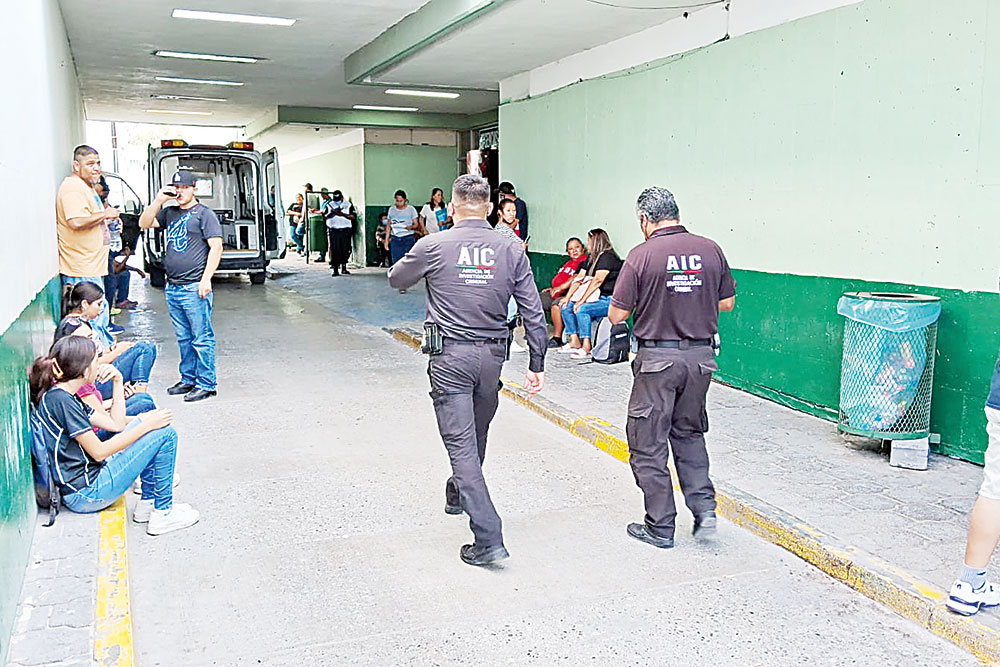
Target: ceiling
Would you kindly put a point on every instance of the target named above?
(524, 34)
(113, 43)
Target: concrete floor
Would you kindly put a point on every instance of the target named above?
(320, 476)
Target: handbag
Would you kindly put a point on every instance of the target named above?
(579, 292)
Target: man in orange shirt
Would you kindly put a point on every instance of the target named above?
(82, 230)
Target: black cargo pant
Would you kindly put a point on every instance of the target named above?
(340, 246)
(465, 385)
(667, 410)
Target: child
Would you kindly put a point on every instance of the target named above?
(81, 304)
(380, 240)
(93, 472)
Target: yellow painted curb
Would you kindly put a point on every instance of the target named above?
(113, 610)
(905, 594)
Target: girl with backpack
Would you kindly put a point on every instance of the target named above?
(92, 472)
(82, 303)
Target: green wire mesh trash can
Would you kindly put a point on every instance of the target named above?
(317, 234)
(888, 364)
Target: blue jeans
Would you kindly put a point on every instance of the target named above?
(298, 235)
(135, 405)
(580, 323)
(100, 323)
(116, 284)
(151, 457)
(135, 364)
(400, 245)
(192, 319)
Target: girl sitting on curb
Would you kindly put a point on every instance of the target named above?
(93, 472)
(81, 304)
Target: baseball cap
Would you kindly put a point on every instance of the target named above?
(324, 191)
(337, 195)
(506, 187)
(308, 186)
(183, 178)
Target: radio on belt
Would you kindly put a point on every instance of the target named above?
(433, 341)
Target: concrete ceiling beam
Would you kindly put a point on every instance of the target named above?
(415, 32)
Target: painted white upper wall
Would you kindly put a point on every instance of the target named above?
(43, 119)
(680, 35)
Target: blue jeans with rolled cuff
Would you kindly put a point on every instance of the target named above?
(580, 323)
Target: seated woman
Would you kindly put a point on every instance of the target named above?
(81, 304)
(94, 471)
(590, 299)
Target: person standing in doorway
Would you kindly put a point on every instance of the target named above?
(82, 231)
(434, 215)
(676, 283)
(193, 252)
(507, 192)
(340, 217)
(470, 273)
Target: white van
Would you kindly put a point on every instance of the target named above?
(243, 189)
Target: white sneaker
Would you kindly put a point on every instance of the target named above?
(516, 347)
(579, 353)
(566, 349)
(137, 486)
(965, 601)
(142, 510)
(177, 517)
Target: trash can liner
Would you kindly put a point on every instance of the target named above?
(890, 315)
(884, 362)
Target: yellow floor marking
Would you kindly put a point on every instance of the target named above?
(113, 612)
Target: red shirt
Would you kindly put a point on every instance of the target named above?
(568, 270)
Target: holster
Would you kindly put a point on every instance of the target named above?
(433, 341)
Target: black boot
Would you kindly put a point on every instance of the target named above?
(474, 554)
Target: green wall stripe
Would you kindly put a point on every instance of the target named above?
(27, 337)
(783, 342)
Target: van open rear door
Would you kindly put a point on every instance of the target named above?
(274, 211)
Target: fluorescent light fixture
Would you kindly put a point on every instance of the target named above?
(422, 93)
(210, 82)
(183, 113)
(231, 18)
(205, 56)
(188, 97)
(376, 107)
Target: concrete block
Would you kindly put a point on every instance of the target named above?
(910, 454)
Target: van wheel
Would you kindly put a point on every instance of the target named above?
(157, 278)
(258, 278)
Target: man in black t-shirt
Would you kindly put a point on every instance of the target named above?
(676, 283)
(193, 238)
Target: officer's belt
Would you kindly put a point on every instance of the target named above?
(677, 344)
(475, 341)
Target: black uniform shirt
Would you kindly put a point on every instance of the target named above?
(674, 282)
(471, 274)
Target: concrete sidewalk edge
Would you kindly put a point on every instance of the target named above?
(907, 595)
(113, 606)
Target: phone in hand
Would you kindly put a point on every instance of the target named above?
(170, 193)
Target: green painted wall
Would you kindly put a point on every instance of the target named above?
(337, 170)
(833, 153)
(784, 339)
(415, 169)
(29, 336)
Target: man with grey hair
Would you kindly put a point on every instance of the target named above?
(471, 273)
(676, 283)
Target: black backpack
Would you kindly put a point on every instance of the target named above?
(46, 488)
(611, 344)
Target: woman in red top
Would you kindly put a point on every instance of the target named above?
(560, 283)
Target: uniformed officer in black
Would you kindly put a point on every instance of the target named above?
(471, 273)
(676, 283)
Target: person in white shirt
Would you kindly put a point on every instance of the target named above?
(403, 223)
(434, 215)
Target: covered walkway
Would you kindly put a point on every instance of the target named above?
(319, 474)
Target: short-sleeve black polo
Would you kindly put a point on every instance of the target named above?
(673, 283)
